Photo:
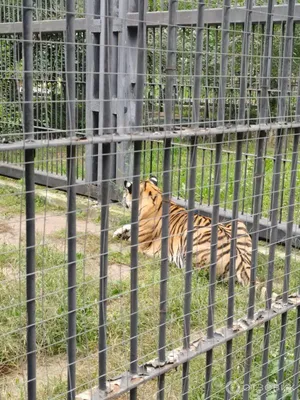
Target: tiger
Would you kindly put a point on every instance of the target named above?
(150, 231)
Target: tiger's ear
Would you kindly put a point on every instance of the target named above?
(153, 180)
(128, 186)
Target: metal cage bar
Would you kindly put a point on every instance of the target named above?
(104, 127)
(296, 358)
(134, 264)
(140, 68)
(30, 199)
(191, 196)
(170, 72)
(216, 199)
(102, 358)
(237, 179)
(257, 186)
(189, 265)
(71, 196)
(285, 85)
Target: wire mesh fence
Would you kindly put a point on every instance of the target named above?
(149, 191)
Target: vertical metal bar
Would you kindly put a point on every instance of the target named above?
(257, 185)
(103, 264)
(198, 62)
(272, 248)
(104, 169)
(284, 86)
(296, 358)
(287, 54)
(227, 178)
(179, 172)
(92, 78)
(154, 77)
(71, 214)
(30, 199)
(216, 199)
(171, 62)
(182, 76)
(140, 80)
(237, 179)
(284, 161)
(245, 61)
(266, 62)
(191, 194)
(271, 261)
(134, 264)
(258, 173)
(213, 259)
(202, 175)
(186, 171)
(189, 266)
(210, 174)
(215, 70)
(170, 72)
(164, 264)
(126, 96)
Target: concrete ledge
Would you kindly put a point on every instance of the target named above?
(176, 357)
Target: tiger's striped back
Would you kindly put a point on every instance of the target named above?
(150, 225)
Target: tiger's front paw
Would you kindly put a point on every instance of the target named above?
(123, 232)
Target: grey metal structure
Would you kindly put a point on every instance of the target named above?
(206, 97)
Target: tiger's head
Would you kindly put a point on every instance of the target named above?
(149, 193)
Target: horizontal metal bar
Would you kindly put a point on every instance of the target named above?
(212, 16)
(55, 25)
(199, 345)
(114, 138)
(58, 25)
(51, 180)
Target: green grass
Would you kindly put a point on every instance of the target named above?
(51, 283)
(12, 201)
(51, 314)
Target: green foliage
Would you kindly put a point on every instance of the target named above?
(10, 70)
(49, 67)
(49, 83)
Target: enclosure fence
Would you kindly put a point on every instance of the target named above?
(149, 149)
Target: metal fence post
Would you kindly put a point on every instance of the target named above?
(71, 182)
(170, 72)
(216, 199)
(126, 83)
(104, 176)
(92, 81)
(30, 199)
(191, 193)
(123, 87)
(237, 179)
